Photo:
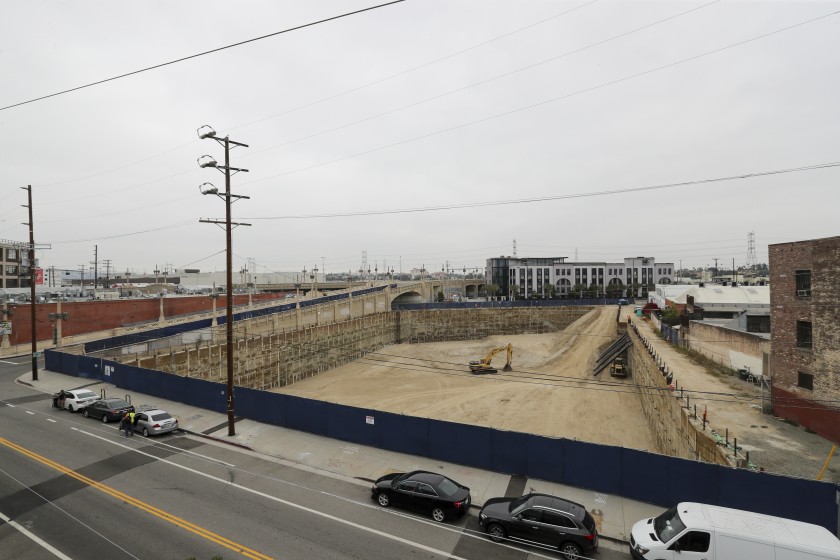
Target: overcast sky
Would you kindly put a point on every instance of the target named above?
(417, 105)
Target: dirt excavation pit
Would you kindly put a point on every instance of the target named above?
(551, 390)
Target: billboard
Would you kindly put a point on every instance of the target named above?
(39, 276)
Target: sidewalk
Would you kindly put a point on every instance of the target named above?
(359, 464)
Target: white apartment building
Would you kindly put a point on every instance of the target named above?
(524, 277)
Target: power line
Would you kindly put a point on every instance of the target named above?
(547, 101)
(240, 43)
(474, 84)
(331, 97)
(549, 198)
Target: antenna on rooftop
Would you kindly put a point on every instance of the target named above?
(514, 248)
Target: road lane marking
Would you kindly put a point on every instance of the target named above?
(26, 533)
(177, 521)
(30, 412)
(286, 502)
(52, 420)
(10, 405)
(8, 362)
(187, 451)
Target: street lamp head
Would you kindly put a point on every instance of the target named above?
(208, 188)
(206, 132)
(206, 161)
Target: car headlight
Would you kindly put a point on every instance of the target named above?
(640, 549)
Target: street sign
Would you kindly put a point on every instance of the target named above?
(36, 354)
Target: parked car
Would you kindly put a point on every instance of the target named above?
(541, 518)
(154, 422)
(423, 491)
(74, 399)
(108, 410)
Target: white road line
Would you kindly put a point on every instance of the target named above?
(7, 362)
(30, 412)
(51, 420)
(288, 503)
(10, 405)
(209, 458)
(25, 532)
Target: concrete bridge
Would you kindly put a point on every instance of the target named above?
(427, 288)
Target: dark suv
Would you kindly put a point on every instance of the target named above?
(543, 519)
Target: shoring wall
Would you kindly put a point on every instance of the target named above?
(675, 429)
(282, 357)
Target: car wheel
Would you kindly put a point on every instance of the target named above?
(438, 514)
(145, 432)
(383, 499)
(104, 418)
(85, 413)
(570, 551)
(70, 408)
(496, 532)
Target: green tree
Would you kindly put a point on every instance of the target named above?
(670, 316)
(440, 297)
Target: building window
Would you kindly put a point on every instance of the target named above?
(11, 254)
(803, 334)
(805, 381)
(803, 283)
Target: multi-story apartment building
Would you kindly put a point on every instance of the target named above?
(553, 276)
(805, 323)
(12, 258)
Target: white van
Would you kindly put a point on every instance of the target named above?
(690, 531)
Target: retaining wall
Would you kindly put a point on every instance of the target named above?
(675, 432)
(264, 361)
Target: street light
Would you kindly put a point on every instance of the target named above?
(209, 189)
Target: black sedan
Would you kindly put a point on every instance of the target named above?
(422, 491)
(541, 518)
(108, 409)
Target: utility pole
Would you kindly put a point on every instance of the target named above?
(95, 264)
(34, 308)
(207, 188)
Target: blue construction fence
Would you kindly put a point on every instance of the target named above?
(637, 475)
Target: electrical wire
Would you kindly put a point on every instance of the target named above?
(475, 84)
(547, 198)
(545, 101)
(177, 60)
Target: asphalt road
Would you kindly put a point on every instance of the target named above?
(75, 488)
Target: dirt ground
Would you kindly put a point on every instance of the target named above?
(551, 390)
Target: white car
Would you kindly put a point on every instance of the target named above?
(74, 399)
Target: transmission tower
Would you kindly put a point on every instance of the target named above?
(751, 250)
(364, 268)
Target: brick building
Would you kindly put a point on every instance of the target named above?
(805, 317)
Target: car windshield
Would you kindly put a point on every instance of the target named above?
(85, 394)
(161, 416)
(668, 525)
(117, 404)
(517, 504)
(447, 487)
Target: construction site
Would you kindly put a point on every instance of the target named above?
(438, 363)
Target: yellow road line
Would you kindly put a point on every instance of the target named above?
(183, 523)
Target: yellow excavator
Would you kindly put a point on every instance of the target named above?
(483, 365)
